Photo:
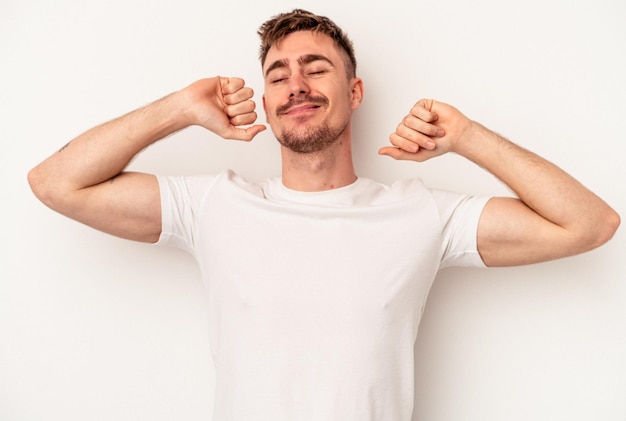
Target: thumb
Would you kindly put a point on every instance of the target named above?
(246, 134)
(401, 155)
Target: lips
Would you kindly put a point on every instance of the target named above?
(301, 108)
(302, 104)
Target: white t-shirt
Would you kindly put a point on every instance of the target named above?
(315, 298)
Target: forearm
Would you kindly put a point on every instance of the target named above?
(542, 186)
(104, 151)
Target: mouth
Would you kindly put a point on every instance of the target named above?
(302, 105)
(301, 109)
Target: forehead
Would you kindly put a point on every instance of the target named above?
(301, 43)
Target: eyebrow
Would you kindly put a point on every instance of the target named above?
(302, 60)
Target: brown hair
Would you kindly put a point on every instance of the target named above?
(279, 26)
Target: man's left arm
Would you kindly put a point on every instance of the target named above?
(554, 215)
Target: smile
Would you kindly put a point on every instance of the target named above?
(302, 109)
(303, 104)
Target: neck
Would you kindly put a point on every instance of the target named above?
(328, 169)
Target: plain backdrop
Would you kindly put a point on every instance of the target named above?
(97, 328)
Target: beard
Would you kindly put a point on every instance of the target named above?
(309, 139)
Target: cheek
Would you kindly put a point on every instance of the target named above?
(343, 105)
(267, 109)
(270, 114)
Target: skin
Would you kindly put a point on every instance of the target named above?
(298, 77)
(555, 216)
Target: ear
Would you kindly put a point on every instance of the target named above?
(265, 110)
(356, 92)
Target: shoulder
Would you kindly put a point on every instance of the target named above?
(403, 190)
(199, 184)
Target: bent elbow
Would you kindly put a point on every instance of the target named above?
(612, 223)
(35, 181)
(603, 230)
(41, 187)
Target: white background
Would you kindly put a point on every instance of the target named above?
(97, 328)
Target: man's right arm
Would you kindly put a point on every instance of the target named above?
(85, 180)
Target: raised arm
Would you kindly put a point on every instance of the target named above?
(555, 215)
(85, 180)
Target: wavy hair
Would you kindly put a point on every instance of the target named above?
(279, 26)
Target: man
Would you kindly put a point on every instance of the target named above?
(316, 280)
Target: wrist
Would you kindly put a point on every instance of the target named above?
(177, 110)
(482, 146)
(469, 139)
(157, 120)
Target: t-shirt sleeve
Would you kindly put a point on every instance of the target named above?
(460, 215)
(181, 202)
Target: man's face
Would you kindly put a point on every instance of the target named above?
(308, 97)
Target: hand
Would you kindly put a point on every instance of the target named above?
(430, 129)
(222, 105)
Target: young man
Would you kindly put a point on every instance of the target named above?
(317, 279)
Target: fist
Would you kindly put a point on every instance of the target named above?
(222, 105)
(430, 129)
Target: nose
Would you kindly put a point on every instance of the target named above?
(298, 85)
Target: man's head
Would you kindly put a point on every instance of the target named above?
(279, 26)
(310, 84)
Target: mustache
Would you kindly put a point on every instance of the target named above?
(318, 100)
